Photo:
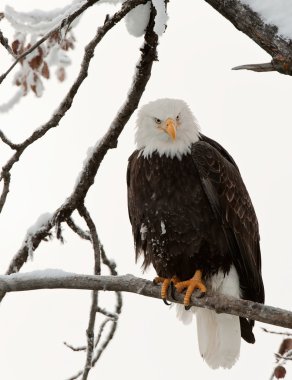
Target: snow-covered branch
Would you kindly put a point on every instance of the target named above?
(56, 279)
(265, 34)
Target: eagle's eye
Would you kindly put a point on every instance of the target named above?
(177, 118)
(157, 121)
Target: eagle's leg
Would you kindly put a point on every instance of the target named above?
(165, 285)
(194, 283)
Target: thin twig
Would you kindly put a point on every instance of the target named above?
(94, 303)
(107, 340)
(81, 348)
(4, 42)
(5, 177)
(74, 377)
(102, 326)
(8, 142)
(286, 333)
(107, 313)
(94, 238)
(78, 230)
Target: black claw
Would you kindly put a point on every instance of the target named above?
(172, 292)
(188, 307)
(166, 303)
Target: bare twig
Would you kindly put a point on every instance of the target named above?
(79, 231)
(94, 238)
(67, 21)
(102, 326)
(107, 313)
(5, 177)
(132, 284)
(74, 377)
(4, 42)
(8, 142)
(81, 348)
(286, 333)
(90, 335)
(104, 345)
(94, 303)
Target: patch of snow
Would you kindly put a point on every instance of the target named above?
(143, 231)
(278, 13)
(137, 19)
(42, 221)
(38, 21)
(161, 17)
(163, 229)
(45, 273)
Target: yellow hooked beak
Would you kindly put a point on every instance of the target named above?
(170, 128)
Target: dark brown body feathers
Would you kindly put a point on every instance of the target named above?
(195, 213)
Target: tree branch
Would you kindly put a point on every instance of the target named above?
(94, 295)
(8, 142)
(79, 231)
(266, 36)
(47, 279)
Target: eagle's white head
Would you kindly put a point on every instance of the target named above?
(166, 126)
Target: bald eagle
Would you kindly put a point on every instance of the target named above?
(193, 220)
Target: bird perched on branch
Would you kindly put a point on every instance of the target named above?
(193, 220)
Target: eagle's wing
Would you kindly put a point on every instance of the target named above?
(232, 206)
(134, 208)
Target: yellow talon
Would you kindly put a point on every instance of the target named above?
(165, 285)
(194, 283)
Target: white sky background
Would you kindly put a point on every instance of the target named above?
(249, 113)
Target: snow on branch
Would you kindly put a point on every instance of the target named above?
(56, 279)
(257, 27)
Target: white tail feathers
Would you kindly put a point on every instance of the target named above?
(219, 335)
(219, 338)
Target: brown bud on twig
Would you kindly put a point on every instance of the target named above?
(279, 372)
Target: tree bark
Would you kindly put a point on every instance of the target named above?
(266, 36)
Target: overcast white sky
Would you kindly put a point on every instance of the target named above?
(249, 113)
